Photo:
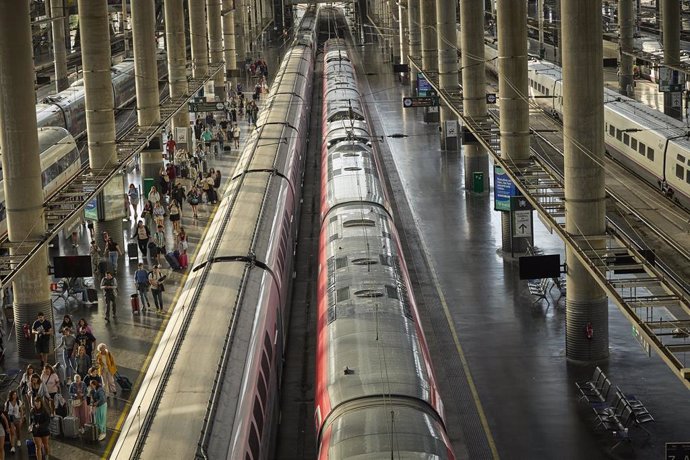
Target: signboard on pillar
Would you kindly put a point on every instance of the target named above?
(522, 224)
(423, 86)
(504, 189)
(181, 135)
(451, 128)
(670, 80)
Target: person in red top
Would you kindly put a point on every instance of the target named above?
(170, 147)
(170, 169)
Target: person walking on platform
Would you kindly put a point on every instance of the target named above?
(141, 280)
(147, 214)
(42, 330)
(236, 135)
(109, 288)
(194, 198)
(175, 215)
(106, 369)
(40, 428)
(143, 236)
(99, 405)
(112, 249)
(82, 362)
(14, 408)
(52, 382)
(68, 343)
(156, 279)
(159, 239)
(95, 253)
(154, 197)
(77, 393)
(133, 195)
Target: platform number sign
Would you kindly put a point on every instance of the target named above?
(491, 98)
(678, 451)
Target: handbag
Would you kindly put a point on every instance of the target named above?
(76, 402)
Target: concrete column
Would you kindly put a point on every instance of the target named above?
(197, 25)
(146, 80)
(513, 92)
(671, 31)
(429, 43)
(57, 11)
(473, 83)
(124, 28)
(585, 197)
(229, 51)
(626, 26)
(415, 36)
(176, 45)
(21, 167)
(540, 20)
(215, 44)
(403, 24)
(243, 28)
(394, 30)
(240, 35)
(447, 69)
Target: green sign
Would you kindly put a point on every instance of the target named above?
(204, 106)
(425, 101)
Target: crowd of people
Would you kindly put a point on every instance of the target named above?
(79, 386)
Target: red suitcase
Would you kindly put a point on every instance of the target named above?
(134, 300)
(184, 260)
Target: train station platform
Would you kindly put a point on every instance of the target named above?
(132, 339)
(507, 387)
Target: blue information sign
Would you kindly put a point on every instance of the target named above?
(503, 190)
(423, 86)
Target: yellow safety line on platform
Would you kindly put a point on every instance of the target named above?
(463, 359)
(154, 347)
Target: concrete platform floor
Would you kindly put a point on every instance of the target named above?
(508, 389)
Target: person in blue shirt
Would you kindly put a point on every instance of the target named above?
(141, 278)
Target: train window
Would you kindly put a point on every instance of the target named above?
(268, 345)
(633, 143)
(262, 387)
(619, 135)
(386, 235)
(254, 445)
(612, 130)
(337, 172)
(650, 153)
(680, 171)
(333, 219)
(386, 260)
(333, 237)
(265, 366)
(626, 138)
(642, 148)
(331, 314)
(681, 158)
(359, 223)
(368, 293)
(352, 168)
(258, 415)
(343, 294)
(392, 292)
(548, 93)
(340, 262)
(687, 178)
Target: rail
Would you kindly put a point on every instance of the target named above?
(658, 295)
(70, 200)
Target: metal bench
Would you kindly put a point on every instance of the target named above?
(539, 288)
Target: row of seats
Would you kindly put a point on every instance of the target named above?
(617, 415)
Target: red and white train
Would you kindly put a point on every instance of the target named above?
(376, 395)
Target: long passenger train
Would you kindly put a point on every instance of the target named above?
(59, 162)
(376, 396)
(212, 388)
(652, 144)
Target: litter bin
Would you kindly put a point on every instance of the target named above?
(148, 183)
(478, 182)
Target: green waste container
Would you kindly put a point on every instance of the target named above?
(148, 183)
(478, 182)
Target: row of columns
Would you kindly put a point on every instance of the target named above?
(18, 127)
(432, 38)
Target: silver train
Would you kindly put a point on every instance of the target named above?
(59, 163)
(653, 145)
(212, 388)
(376, 395)
(67, 109)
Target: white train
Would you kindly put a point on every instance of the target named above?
(376, 395)
(59, 163)
(653, 145)
(212, 388)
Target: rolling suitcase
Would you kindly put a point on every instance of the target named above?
(174, 263)
(91, 295)
(123, 381)
(134, 300)
(55, 426)
(184, 260)
(90, 433)
(31, 448)
(133, 250)
(70, 427)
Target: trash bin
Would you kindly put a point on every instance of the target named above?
(478, 182)
(148, 183)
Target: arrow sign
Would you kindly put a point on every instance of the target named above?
(522, 223)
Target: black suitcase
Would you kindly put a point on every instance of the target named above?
(91, 295)
(174, 263)
(133, 250)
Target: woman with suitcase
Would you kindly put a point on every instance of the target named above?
(77, 392)
(106, 369)
(99, 405)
